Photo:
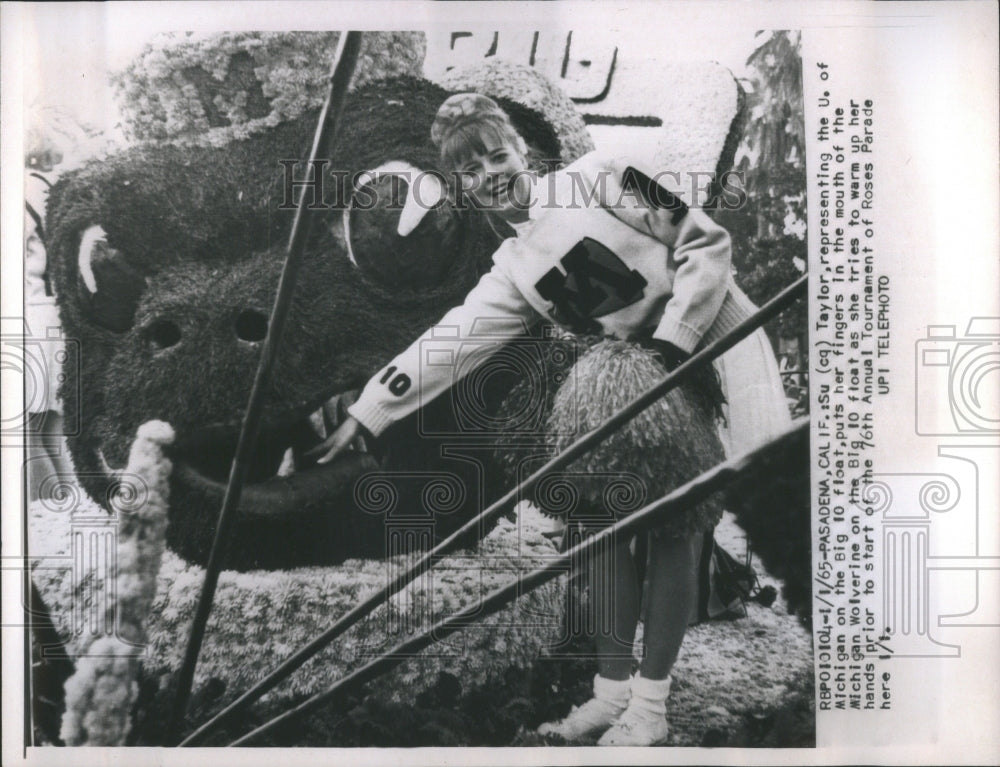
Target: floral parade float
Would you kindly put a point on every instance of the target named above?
(166, 258)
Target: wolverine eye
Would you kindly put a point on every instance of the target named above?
(108, 285)
(397, 186)
(398, 227)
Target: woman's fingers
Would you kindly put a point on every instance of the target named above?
(336, 442)
(335, 449)
(325, 445)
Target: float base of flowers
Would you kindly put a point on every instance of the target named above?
(728, 672)
(259, 618)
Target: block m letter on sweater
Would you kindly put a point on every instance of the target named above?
(596, 282)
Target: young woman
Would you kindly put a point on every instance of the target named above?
(666, 270)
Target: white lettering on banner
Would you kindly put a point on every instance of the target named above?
(583, 65)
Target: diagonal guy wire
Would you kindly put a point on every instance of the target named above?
(340, 77)
(657, 512)
(681, 374)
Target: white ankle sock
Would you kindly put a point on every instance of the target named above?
(649, 697)
(614, 691)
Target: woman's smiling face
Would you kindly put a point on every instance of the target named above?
(497, 179)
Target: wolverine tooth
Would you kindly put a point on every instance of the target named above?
(317, 424)
(287, 467)
(415, 209)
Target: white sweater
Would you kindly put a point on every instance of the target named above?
(593, 259)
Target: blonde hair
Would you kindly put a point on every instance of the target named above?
(464, 121)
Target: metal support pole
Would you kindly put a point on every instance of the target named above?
(343, 68)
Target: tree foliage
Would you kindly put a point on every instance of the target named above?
(768, 231)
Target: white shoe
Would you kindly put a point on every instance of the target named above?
(633, 728)
(585, 721)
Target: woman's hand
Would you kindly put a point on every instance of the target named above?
(337, 442)
(670, 355)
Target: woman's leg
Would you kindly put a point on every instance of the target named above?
(611, 620)
(672, 583)
(672, 580)
(39, 465)
(663, 447)
(615, 598)
(49, 465)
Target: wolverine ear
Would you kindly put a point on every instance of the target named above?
(108, 286)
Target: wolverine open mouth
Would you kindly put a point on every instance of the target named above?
(280, 481)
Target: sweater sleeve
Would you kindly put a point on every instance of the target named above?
(703, 255)
(701, 248)
(494, 311)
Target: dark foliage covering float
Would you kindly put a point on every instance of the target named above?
(171, 317)
(772, 505)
